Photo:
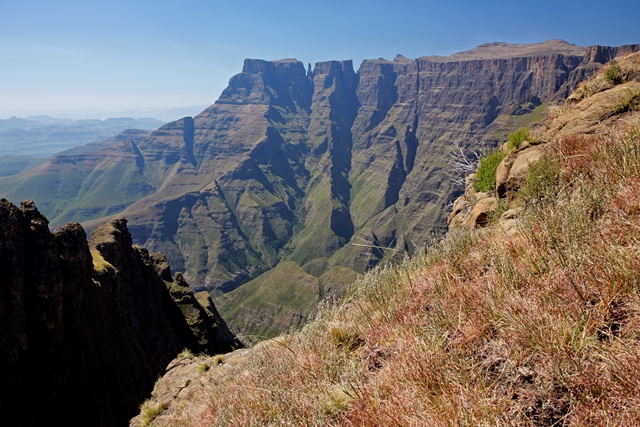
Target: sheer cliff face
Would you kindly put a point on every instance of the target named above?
(297, 166)
(87, 327)
(324, 168)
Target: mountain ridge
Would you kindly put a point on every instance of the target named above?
(328, 168)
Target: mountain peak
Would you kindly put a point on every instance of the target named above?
(254, 66)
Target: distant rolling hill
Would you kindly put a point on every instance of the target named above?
(27, 142)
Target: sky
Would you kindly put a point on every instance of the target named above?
(99, 59)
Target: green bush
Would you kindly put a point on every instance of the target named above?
(515, 139)
(487, 166)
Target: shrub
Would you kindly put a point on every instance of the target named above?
(487, 166)
(516, 138)
(613, 73)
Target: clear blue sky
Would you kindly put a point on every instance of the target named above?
(115, 55)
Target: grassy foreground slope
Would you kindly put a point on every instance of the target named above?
(539, 326)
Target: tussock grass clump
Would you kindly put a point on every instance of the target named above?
(588, 88)
(612, 73)
(516, 138)
(538, 329)
(186, 353)
(630, 103)
(148, 412)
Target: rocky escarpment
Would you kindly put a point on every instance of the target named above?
(88, 326)
(311, 172)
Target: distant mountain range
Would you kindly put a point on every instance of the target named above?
(42, 136)
(27, 142)
(297, 181)
(32, 122)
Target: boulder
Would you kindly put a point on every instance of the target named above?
(459, 212)
(513, 168)
(508, 222)
(479, 215)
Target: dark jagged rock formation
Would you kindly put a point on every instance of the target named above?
(87, 327)
(325, 169)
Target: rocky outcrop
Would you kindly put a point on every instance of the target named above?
(472, 209)
(88, 326)
(327, 168)
(597, 111)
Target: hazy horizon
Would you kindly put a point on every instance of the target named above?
(108, 58)
(163, 114)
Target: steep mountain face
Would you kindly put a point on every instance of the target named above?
(532, 321)
(88, 326)
(314, 173)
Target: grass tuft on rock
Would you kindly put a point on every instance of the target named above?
(516, 138)
(100, 265)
